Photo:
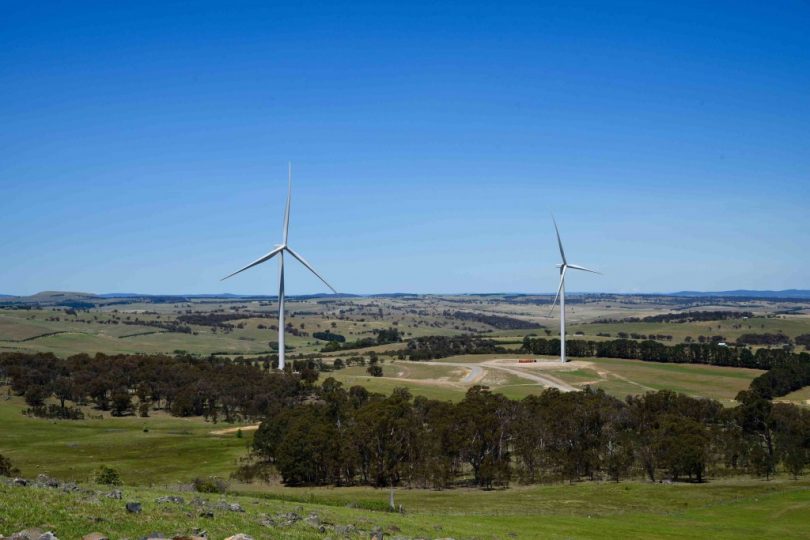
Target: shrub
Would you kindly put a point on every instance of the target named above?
(6, 468)
(212, 484)
(375, 370)
(108, 476)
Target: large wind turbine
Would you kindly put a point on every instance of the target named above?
(279, 250)
(561, 290)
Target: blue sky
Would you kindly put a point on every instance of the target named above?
(144, 146)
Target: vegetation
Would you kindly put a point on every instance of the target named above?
(432, 347)
(6, 468)
(688, 316)
(382, 337)
(500, 322)
(728, 509)
(763, 339)
(653, 351)
(354, 437)
(185, 386)
(107, 476)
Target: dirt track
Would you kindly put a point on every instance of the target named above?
(478, 371)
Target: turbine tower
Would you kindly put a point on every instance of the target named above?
(279, 250)
(561, 290)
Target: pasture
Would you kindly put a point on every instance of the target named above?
(449, 378)
(731, 509)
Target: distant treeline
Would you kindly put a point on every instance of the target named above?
(354, 437)
(690, 316)
(432, 347)
(382, 337)
(653, 351)
(329, 336)
(217, 319)
(500, 322)
(125, 384)
(763, 339)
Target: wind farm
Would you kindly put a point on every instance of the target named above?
(156, 385)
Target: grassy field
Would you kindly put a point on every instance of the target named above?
(730, 329)
(728, 509)
(615, 376)
(73, 450)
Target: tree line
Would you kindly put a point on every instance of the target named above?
(433, 347)
(349, 437)
(215, 388)
(501, 322)
(653, 351)
(689, 316)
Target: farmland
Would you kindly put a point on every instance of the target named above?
(162, 454)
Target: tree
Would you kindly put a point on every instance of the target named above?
(375, 370)
(64, 389)
(35, 395)
(121, 402)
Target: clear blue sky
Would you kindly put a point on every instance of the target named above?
(143, 147)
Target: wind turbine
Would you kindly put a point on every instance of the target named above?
(279, 250)
(561, 290)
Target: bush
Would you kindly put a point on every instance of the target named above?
(212, 484)
(6, 468)
(108, 476)
(375, 370)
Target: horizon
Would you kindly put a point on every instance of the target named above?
(146, 146)
(728, 292)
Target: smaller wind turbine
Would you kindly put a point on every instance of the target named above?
(561, 290)
(279, 250)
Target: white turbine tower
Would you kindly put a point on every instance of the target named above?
(561, 290)
(279, 250)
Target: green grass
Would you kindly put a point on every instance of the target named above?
(75, 449)
(723, 509)
(720, 383)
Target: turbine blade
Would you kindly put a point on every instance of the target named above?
(287, 206)
(575, 267)
(309, 267)
(257, 261)
(559, 242)
(554, 303)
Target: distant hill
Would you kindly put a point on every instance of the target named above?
(745, 293)
(86, 300)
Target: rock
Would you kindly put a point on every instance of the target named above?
(170, 499)
(235, 507)
(27, 534)
(186, 537)
(134, 507)
(69, 487)
(344, 530)
(207, 514)
(239, 536)
(313, 519)
(95, 536)
(154, 536)
(199, 532)
(44, 480)
(115, 494)
(48, 536)
(20, 482)
(377, 534)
